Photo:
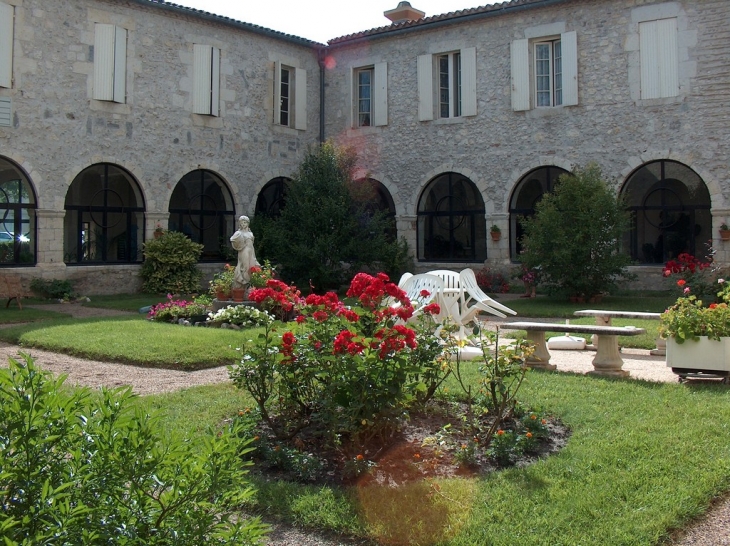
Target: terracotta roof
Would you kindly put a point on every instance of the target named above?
(445, 18)
(228, 20)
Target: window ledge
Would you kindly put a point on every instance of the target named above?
(449, 121)
(678, 99)
(364, 131)
(286, 130)
(546, 111)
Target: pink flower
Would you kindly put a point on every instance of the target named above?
(686, 290)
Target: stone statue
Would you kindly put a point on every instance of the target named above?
(242, 242)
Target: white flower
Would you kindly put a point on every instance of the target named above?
(720, 281)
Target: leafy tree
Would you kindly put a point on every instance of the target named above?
(328, 229)
(573, 240)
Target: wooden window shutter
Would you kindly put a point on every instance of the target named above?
(668, 61)
(277, 92)
(380, 94)
(103, 62)
(6, 45)
(569, 50)
(120, 65)
(300, 99)
(520, 75)
(469, 81)
(203, 72)
(425, 87)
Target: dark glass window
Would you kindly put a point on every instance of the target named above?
(451, 223)
(104, 217)
(272, 197)
(376, 198)
(201, 207)
(528, 191)
(17, 216)
(670, 213)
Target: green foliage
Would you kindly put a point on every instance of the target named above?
(54, 289)
(574, 238)
(80, 469)
(173, 310)
(170, 264)
(688, 318)
(327, 231)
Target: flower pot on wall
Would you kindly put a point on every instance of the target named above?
(496, 235)
(238, 294)
(725, 234)
(705, 355)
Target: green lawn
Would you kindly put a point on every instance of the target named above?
(135, 341)
(643, 459)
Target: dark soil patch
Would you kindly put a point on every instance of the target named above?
(428, 445)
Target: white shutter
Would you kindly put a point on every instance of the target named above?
(5, 112)
(202, 75)
(380, 94)
(120, 65)
(469, 81)
(520, 75)
(425, 88)
(103, 62)
(6, 45)
(569, 52)
(300, 99)
(649, 56)
(215, 80)
(277, 92)
(668, 60)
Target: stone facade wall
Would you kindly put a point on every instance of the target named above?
(611, 125)
(58, 129)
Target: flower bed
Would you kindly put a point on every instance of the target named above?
(244, 316)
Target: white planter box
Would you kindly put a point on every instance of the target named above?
(703, 355)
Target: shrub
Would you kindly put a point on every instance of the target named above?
(170, 264)
(54, 289)
(574, 238)
(492, 281)
(82, 469)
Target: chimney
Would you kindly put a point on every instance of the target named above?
(404, 13)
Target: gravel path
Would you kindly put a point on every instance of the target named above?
(713, 529)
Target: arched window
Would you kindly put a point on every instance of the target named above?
(375, 197)
(17, 216)
(272, 197)
(202, 208)
(528, 191)
(451, 223)
(670, 212)
(104, 217)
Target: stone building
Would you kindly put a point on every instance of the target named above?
(117, 117)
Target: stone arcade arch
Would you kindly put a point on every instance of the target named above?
(104, 220)
(17, 216)
(670, 212)
(526, 194)
(451, 223)
(201, 207)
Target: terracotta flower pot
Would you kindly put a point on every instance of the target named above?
(725, 234)
(238, 294)
(221, 296)
(496, 235)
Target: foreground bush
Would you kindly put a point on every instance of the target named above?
(81, 469)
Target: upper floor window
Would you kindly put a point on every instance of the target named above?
(450, 85)
(371, 95)
(659, 58)
(548, 74)
(450, 78)
(6, 45)
(206, 79)
(545, 75)
(110, 63)
(290, 96)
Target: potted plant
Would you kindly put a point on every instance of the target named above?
(698, 336)
(724, 232)
(222, 283)
(159, 232)
(495, 232)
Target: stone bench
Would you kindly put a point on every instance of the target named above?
(11, 288)
(603, 318)
(606, 363)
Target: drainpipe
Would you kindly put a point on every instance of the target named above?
(321, 55)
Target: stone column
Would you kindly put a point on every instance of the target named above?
(152, 220)
(50, 238)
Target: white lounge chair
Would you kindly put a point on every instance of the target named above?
(416, 284)
(474, 299)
